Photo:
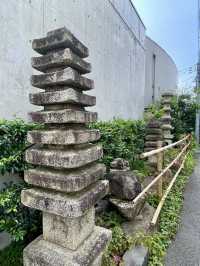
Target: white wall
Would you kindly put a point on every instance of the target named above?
(111, 29)
(166, 75)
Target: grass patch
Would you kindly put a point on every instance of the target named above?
(169, 218)
(12, 255)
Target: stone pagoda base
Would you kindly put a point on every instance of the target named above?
(45, 253)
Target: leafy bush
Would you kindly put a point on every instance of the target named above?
(12, 145)
(120, 241)
(183, 115)
(15, 218)
(121, 138)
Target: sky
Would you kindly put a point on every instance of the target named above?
(173, 25)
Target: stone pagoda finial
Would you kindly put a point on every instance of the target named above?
(65, 179)
(166, 118)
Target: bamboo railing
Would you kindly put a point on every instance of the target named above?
(158, 179)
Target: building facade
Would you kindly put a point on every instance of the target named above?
(115, 35)
(161, 74)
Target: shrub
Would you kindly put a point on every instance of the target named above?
(15, 218)
(183, 115)
(121, 138)
(12, 145)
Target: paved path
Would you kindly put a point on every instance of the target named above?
(185, 250)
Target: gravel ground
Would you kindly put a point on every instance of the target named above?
(185, 249)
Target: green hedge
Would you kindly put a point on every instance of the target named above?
(12, 145)
(183, 115)
(14, 217)
(122, 138)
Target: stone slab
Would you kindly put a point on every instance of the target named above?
(66, 232)
(154, 124)
(62, 204)
(154, 131)
(153, 138)
(41, 252)
(167, 127)
(5, 240)
(136, 256)
(168, 95)
(66, 77)
(65, 181)
(127, 208)
(152, 144)
(64, 159)
(141, 223)
(167, 108)
(59, 39)
(69, 95)
(62, 136)
(60, 59)
(166, 101)
(63, 116)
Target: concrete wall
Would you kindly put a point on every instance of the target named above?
(111, 29)
(165, 74)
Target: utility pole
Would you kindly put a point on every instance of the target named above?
(198, 80)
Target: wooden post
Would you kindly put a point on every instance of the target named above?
(159, 169)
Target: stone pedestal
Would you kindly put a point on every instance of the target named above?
(166, 118)
(66, 178)
(154, 134)
(124, 187)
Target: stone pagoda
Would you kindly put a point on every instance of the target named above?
(166, 118)
(66, 175)
(154, 137)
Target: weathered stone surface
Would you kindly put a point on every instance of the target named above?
(60, 39)
(68, 232)
(166, 118)
(127, 208)
(136, 256)
(120, 164)
(154, 124)
(167, 108)
(149, 149)
(168, 136)
(66, 181)
(124, 184)
(152, 131)
(152, 144)
(153, 137)
(65, 205)
(167, 127)
(69, 95)
(66, 77)
(141, 223)
(166, 101)
(69, 158)
(63, 116)
(62, 58)
(63, 137)
(168, 95)
(41, 252)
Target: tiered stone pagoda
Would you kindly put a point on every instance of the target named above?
(166, 118)
(154, 134)
(66, 175)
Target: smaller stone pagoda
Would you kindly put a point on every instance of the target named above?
(154, 134)
(166, 118)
